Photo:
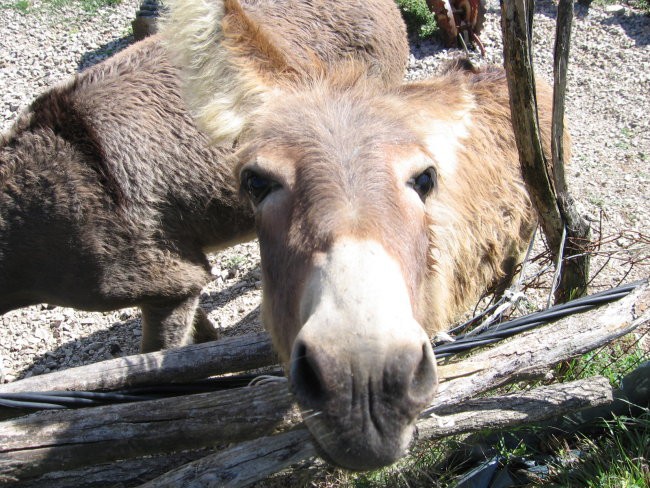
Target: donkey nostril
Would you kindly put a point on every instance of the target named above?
(306, 377)
(424, 381)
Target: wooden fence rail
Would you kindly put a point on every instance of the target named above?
(35, 445)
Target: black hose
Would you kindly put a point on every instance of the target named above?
(462, 343)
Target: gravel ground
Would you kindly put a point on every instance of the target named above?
(608, 102)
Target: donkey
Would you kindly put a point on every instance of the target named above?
(382, 213)
(109, 194)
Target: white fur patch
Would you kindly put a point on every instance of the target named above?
(357, 285)
(444, 138)
(219, 95)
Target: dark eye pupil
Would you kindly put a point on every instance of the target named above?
(424, 182)
(257, 187)
(256, 183)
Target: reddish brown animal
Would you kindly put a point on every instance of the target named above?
(110, 196)
(381, 215)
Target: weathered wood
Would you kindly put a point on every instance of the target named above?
(533, 353)
(45, 441)
(253, 461)
(516, 26)
(575, 258)
(131, 472)
(546, 183)
(242, 464)
(66, 439)
(519, 408)
(187, 363)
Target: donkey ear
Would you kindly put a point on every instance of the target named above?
(252, 42)
(220, 85)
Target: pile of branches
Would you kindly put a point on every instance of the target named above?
(129, 443)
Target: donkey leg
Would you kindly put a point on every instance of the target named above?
(203, 330)
(173, 324)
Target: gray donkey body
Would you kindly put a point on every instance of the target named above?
(110, 196)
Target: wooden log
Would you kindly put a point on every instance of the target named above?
(253, 461)
(533, 353)
(241, 465)
(131, 472)
(575, 258)
(170, 366)
(44, 441)
(67, 439)
(519, 408)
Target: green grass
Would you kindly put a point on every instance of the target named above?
(89, 6)
(429, 464)
(643, 5)
(613, 362)
(22, 6)
(617, 459)
(418, 18)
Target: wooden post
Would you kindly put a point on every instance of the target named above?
(546, 185)
(575, 258)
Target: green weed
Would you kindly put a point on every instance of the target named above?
(22, 6)
(618, 459)
(613, 362)
(234, 262)
(418, 18)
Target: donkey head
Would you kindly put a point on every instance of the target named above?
(339, 181)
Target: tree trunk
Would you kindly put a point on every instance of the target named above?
(546, 183)
(575, 258)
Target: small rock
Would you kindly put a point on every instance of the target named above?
(38, 369)
(615, 9)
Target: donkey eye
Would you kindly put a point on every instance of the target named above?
(257, 187)
(424, 183)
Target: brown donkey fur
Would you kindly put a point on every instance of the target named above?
(270, 41)
(382, 213)
(110, 196)
(105, 203)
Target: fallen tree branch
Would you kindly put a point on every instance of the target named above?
(171, 366)
(131, 472)
(44, 441)
(67, 439)
(251, 459)
(519, 408)
(243, 464)
(533, 353)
